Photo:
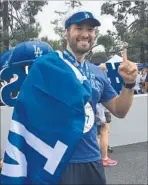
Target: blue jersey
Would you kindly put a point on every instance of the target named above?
(47, 123)
(88, 149)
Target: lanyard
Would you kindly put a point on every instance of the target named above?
(83, 68)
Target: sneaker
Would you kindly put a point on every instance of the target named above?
(109, 162)
(110, 150)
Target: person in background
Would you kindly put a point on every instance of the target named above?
(137, 89)
(143, 77)
(103, 130)
(103, 134)
(146, 83)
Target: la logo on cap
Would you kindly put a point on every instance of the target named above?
(37, 51)
(86, 15)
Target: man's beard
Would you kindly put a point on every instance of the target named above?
(78, 50)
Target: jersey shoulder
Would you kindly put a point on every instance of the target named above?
(99, 73)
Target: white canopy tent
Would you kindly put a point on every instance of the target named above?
(114, 59)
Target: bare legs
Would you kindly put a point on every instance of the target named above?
(104, 140)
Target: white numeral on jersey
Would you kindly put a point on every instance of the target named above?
(53, 155)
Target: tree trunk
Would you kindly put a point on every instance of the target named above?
(142, 21)
(1, 29)
(1, 38)
(5, 26)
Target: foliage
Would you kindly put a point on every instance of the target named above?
(22, 24)
(98, 58)
(58, 28)
(55, 44)
(133, 32)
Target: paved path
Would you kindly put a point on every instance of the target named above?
(132, 167)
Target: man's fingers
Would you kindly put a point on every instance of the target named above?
(125, 65)
(132, 70)
(124, 54)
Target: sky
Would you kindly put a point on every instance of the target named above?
(47, 15)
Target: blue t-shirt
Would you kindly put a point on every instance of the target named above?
(88, 149)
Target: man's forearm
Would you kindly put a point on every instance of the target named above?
(123, 102)
(120, 105)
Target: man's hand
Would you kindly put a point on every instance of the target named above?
(127, 69)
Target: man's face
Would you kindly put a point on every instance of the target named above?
(80, 37)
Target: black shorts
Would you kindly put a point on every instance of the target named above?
(108, 120)
(108, 117)
(98, 130)
(84, 173)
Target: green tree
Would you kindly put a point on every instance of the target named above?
(107, 42)
(19, 23)
(58, 28)
(1, 44)
(98, 58)
(55, 44)
(110, 44)
(135, 32)
(73, 3)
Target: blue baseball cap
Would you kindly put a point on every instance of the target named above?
(79, 17)
(27, 52)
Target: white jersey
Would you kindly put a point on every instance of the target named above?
(137, 85)
(100, 114)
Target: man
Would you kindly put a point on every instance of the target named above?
(84, 85)
(85, 165)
